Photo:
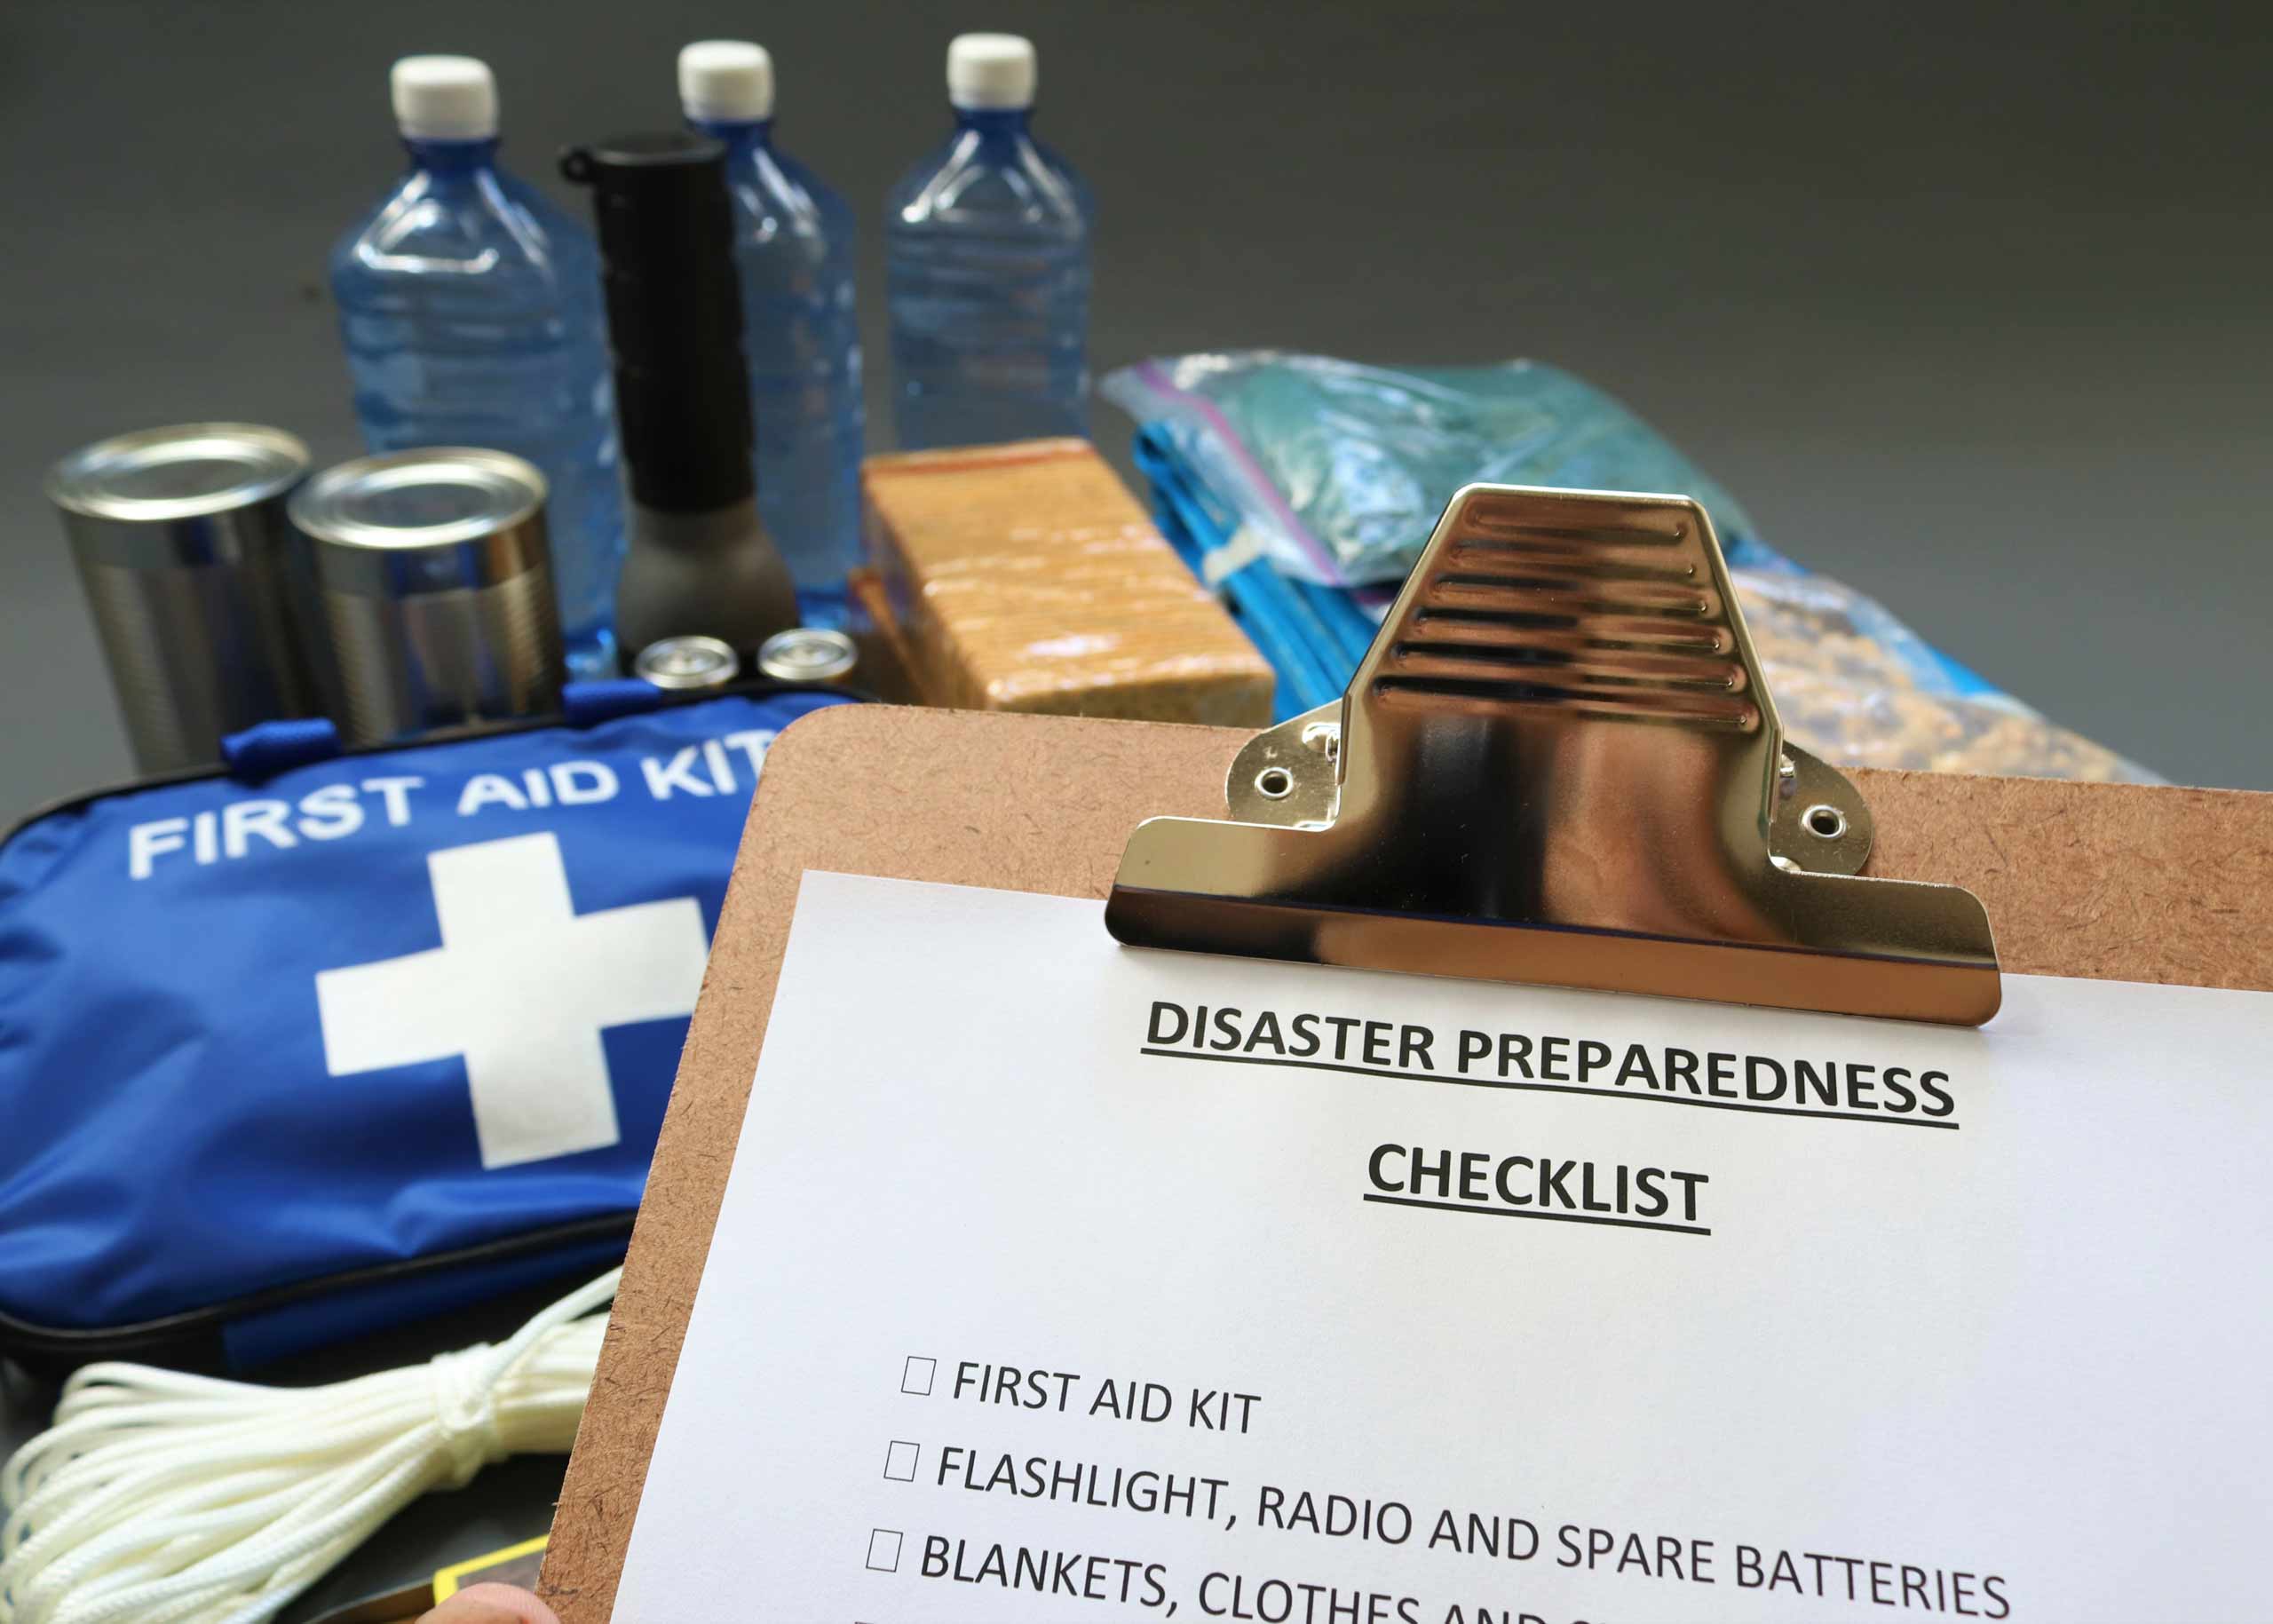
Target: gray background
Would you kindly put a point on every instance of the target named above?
(1968, 304)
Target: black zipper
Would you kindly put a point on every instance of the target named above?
(192, 1339)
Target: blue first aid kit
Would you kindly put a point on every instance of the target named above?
(330, 1040)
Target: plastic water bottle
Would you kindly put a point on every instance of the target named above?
(988, 250)
(792, 247)
(471, 310)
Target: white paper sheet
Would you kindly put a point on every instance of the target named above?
(2002, 1353)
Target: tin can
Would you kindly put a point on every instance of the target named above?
(807, 654)
(681, 663)
(435, 580)
(185, 555)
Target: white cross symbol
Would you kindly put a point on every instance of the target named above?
(521, 986)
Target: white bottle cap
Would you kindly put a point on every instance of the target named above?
(445, 99)
(730, 81)
(990, 70)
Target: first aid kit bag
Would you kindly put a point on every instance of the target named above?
(328, 1041)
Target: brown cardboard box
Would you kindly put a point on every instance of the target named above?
(884, 669)
(1025, 577)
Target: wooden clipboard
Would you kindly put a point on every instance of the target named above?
(2118, 882)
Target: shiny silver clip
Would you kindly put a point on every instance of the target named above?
(1557, 765)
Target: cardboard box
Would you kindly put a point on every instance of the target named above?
(884, 668)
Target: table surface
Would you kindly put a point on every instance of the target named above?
(1968, 310)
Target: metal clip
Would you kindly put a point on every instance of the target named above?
(1558, 764)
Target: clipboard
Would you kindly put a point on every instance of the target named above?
(2112, 882)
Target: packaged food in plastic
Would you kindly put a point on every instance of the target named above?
(1026, 577)
(1298, 485)
(1858, 688)
(1365, 458)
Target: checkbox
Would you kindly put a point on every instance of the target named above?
(917, 1377)
(899, 1461)
(883, 1550)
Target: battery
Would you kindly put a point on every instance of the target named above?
(680, 664)
(185, 555)
(807, 654)
(436, 582)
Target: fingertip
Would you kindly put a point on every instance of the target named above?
(492, 1603)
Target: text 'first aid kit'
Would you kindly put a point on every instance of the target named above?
(329, 1041)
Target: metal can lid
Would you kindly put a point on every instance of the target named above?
(807, 654)
(435, 496)
(184, 470)
(687, 663)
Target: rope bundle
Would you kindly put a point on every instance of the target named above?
(158, 1498)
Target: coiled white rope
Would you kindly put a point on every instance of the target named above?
(158, 1498)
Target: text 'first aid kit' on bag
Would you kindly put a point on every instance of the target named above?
(328, 1040)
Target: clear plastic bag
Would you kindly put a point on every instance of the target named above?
(1340, 470)
(1333, 474)
(1857, 687)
